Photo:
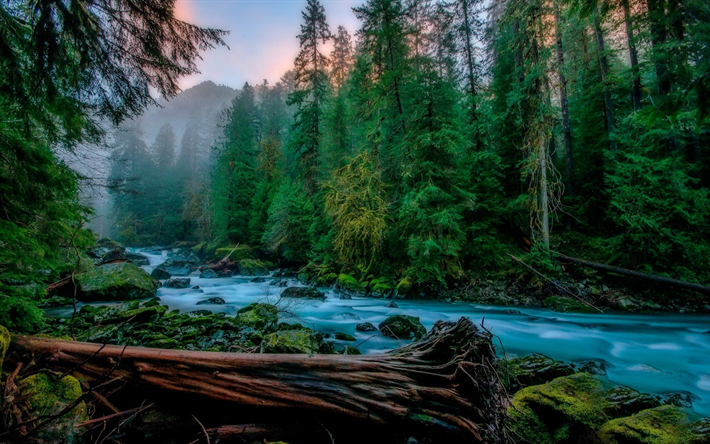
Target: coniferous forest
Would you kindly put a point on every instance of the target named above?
(544, 164)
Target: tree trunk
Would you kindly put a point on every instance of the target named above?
(443, 388)
(544, 194)
(604, 69)
(659, 34)
(566, 127)
(633, 56)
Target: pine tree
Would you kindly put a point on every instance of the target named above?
(341, 58)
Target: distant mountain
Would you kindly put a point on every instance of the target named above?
(206, 99)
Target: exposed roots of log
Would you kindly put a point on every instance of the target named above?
(441, 389)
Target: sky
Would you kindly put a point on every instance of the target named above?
(262, 40)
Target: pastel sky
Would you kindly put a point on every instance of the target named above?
(262, 38)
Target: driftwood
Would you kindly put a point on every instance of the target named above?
(675, 283)
(443, 388)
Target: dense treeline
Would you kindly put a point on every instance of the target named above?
(454, 132)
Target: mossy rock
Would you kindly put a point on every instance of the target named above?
(290, 341)
(253, 267)
(366, 327)
(55, 301)
(566, 305)
(258, 316)
(327, 279)
(115, 282)
(402, 327)
(349, 285)
(4, 344)
(168, 343)
(556, 412)
(348, 350)
(240, 253)
(142, 315)
(382, 289)
(661, 425)
(530, 370)
(303, 293)
(404, 287)
(345, 337)
(47, 396)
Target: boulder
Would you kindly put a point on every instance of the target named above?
(257, 280)
(114, 254)
(115, 282)
(567, 305)
(303, 293)
(284, 273)
(628, 401)
(177, 283)
(344, 337)
(530, 370)
(290, 341)
(279, 283)
(212, 301)
(380, 288)
(348, 350)
(258, 316)
(208, 273)
(179, 267)
(349, 286)
(253, 267)
(160, 274)
(392, 304)
(402, 327)
(137, 259)
(55, 301)
(367, 327)
(404, 287)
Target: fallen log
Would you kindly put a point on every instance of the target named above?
(675, 283)
(443, 388)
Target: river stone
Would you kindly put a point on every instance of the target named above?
(402, 327)
(567, 305)
(530, 370)
(208, 274)
(137, 259)
(114, 254)
(347, 286)
(348, 350)
(115, 282)
(392, 304)
(344, 337)
(290, 341)
(253, 267)
(177, 283)
(628, 401)
(279, 283)
(212, 301)
(257, 280)
(303, 293)
(178, 267)
(160, 274)
(367, 326)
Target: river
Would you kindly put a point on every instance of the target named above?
(651, 353)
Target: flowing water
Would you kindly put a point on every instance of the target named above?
(651, 353)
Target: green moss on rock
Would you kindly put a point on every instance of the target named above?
(4, 344)
(559, 410)
(253, 267)
(115, 282)
(661, 425)
(349, 284)
(290, 341)
(402, 327)
(259, 316)
(404, 287)
(239, 253)
(566, 305)
(344, 337)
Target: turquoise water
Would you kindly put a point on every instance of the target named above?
(651, 353)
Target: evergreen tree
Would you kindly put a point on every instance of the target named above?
(341, 58)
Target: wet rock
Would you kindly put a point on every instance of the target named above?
(179, 267)
(177, 283)
(196, 287)
(303, 293)
(115, 282)
(344, 337)
(137, 259)
(140, 315)
(326, 348)
(404, 287)
(567, 305)
(253, 267)
(679, 399)
(290, 341)
(628, 401)
(366, 326)
(344, 296)
(212, 301)
(114, 254)
(511, 311)
(284, 273)
(530, 370)
(55, 301)
(402, 327)
(278, 283)
(200, 313)
(258, 316)
(258, 280)
(594, 367)
(160, 274)
(661, 425)
(392, 304)
(208, 274)
(326, 280)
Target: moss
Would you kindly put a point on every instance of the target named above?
(168, 343)
(144, 314)
(661, 425)
(348, 350)
(566, 305)
(565, 407)
(404, 287)
(4, 344)
(259, 316)
(402, 327)
(290, 341)
(252, 267)
(240, 253)
(382, 289)
(348, 283)
(532, 370)
(327, 279)
(47, 396)
(116, 282)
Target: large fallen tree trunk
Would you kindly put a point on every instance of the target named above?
(635, 274)
(443, 387)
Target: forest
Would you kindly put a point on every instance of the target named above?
(529, 174)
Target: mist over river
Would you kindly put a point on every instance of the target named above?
(651, 353)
